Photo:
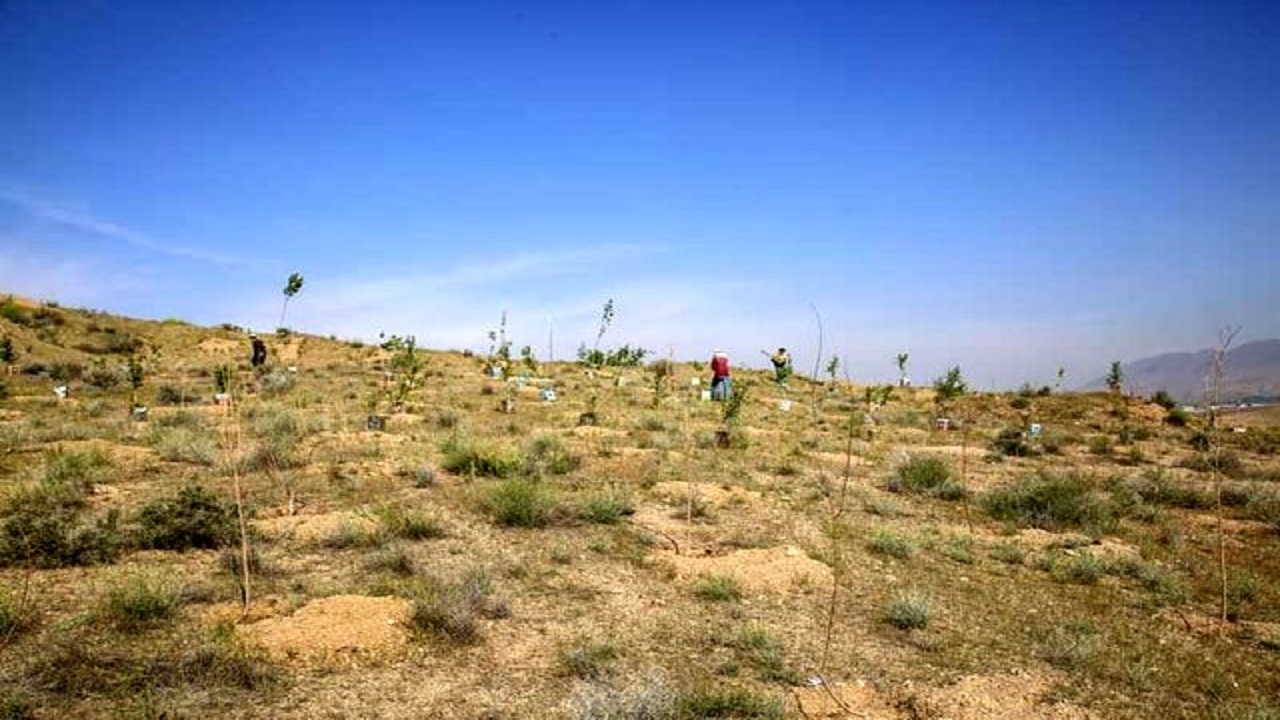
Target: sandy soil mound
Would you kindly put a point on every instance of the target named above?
(342, 627)
(844, 701)
(314, 528)
(767, 570)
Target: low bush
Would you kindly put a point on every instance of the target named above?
(1012, 442)
(546, 455)
(1070, 646)
(887, 542)
(40, 530)
(717, 588)
(519, 502)
(1052, 502)
(409, 524)
(140, 603)
(469, 457)
(192, 518)
(909, 611)
(727, 702)
(605, 508)
(452, 609)
(185, 444)
(927, 476)
(762, 650)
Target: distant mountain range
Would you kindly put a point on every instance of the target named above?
(1252, 373)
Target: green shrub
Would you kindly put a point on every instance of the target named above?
(452, 609)
(519, 502)
(140, 603)
(40, 530)
(718, 588)
(1164, 400)
(605, 508)
(887, 542)
(468, 457)
(1013, 443)
(1008, 553)
(928, 476)
(728, 702)
(646, 698)
(394, 560)
(192, 518)
(409, 524)
(72, 471)
(909, 611)
(184, 444)
(759, 648)
(1070, 646)
(546, 455)
(1082, 569)
(1052, 502)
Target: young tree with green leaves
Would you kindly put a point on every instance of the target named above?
(1115, 377)
(901, 360)
(950, 386)
(291, 287)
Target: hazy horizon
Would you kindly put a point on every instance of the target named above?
(1007, 189)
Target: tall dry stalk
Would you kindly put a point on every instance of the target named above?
(1213, 450)
(232, 437)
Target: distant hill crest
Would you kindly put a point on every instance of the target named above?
(1252, 372)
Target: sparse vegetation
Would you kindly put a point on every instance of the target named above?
(192, 518)
(909, 611)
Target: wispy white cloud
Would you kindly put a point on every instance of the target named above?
(85, 223)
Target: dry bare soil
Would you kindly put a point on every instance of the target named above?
(602, 555)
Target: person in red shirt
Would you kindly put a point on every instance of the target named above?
(721, 385)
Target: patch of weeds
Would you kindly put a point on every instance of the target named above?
(647, 698)
(463, 456)
(651, 423)
(518, 503)
(192, 518)
(452, 609)
(909, 611)
(72, 471)
(760, 649)
(394, 560)
(1052, 502)
(1242, 592)
(16, 705)
(352, 535)
(926, 475)
(547, 455)
(881, 507)
(718, 588)
(180, 419)
(408, 524)
(1082, 569)
(728, 702)
(587, 659)
(140, 603)
(1008, 553)
(185, 444)
(605, 508)
(887, 542)
(1070, 646)
(13, 618)
(958, 548)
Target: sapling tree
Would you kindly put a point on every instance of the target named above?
(1212, 446)
(407, 365)
(527, 359)
(137, 373)
(291, 287)
(1115, 377)
(901, 360)
(222, 379)
(7, 354)
(1062, 373)
(833, 368)
(950, 386)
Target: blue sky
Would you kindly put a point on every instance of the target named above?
(1011, 187)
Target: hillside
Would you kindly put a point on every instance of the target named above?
(1252, 371)
(618, 548)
